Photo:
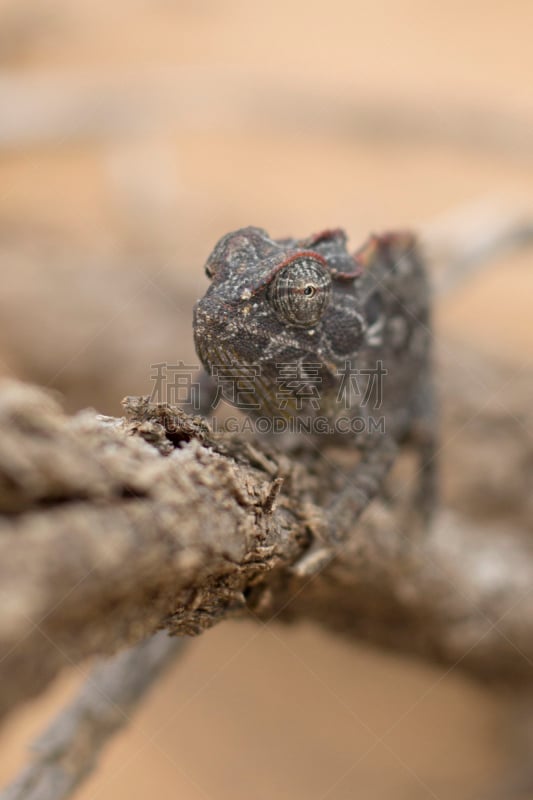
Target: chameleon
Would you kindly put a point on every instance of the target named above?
(312, 310)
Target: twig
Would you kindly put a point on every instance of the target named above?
(50, 107)
(67, 751)
(462, 241)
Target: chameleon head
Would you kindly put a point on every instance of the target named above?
(275, 304)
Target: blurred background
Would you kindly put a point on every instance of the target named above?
(133, 135)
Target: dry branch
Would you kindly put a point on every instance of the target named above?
(103, 538)
(112, 529)
(462, 240)
(47, 108)
(67, 751)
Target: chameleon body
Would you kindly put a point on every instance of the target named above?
(312, 304)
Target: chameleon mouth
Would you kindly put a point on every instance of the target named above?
(246, 387)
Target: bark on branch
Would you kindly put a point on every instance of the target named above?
(112, 529)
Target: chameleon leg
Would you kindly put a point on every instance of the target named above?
(207, 392)
(426, 492)
(362, 484)
(422, 435)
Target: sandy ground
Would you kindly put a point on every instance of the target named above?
(131, 137)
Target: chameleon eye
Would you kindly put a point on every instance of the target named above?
(299, 293)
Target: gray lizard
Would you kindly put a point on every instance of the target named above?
(300, 322)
